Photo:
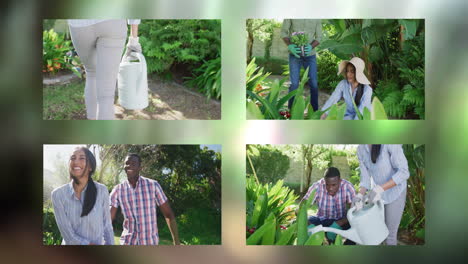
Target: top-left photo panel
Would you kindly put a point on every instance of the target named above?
(131, 69)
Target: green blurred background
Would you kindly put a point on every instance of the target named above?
(443, 131)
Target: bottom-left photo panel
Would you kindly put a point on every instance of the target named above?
(97, 194)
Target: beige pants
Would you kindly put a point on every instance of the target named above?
(100, 48)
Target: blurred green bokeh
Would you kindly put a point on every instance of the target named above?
(444, 130)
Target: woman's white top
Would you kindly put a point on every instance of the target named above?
(90, 22)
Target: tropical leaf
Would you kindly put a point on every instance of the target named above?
(315, 239)
(378, 110)
(253, 112)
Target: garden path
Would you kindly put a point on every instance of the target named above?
(172, 101)
(168, 101)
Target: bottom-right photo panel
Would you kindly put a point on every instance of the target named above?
(314, 194)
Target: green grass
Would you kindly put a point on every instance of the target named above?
(196, 227)
(64, 102)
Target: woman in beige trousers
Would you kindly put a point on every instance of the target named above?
(99, 44)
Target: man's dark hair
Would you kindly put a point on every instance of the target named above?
(331, 173)
(136, 156)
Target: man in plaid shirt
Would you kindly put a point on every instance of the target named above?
(138, 198)
(333, 196)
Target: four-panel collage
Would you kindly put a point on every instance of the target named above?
(169, 193)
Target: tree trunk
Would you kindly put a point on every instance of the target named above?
(250, 41)
(402, 37)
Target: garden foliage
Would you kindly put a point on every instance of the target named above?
(270, 164)
(207, 78)
(167, 43)
(414, 215)
(57, 53)
(51, 232)
(271, 220)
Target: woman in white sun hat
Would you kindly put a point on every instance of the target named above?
(99, 44)
(354, 88)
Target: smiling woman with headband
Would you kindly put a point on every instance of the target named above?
(354, 89)
(81, 207)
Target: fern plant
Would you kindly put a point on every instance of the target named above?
(207, 78)
(404, 96)
(168, 42)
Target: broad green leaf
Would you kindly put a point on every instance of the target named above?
(286, 235)
(253, 112)
(315, 239)
(259, 208)
(259, 233)
(274, 91)
(269, 235)
(338, 240)
(378, 111)
(283, 100)
(297, 111)
(332, 113)
(302, 220)
(272, 111)
(367, 114)
(340, 112)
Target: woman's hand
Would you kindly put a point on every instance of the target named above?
(133, 45)
(323, 116)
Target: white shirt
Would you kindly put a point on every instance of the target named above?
(90, 22)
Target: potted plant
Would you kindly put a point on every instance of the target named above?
(301, 40)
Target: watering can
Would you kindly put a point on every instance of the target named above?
(367, 225)
(133, 82)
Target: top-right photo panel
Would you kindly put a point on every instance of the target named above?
(335, 69)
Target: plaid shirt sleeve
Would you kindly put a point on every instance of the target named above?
(159, 193)
(114, 197)
(309, 192)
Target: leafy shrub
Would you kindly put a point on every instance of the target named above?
(50, 231)
(273, 65)
(184, 41)
(327, 68)
(270, 164)
(207, 78)
(265, 199)
(404, 96)
(274, 229)
(57, 53)
(255, 76)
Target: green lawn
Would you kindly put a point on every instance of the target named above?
(64, 102)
